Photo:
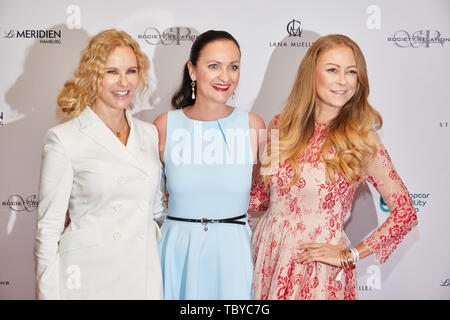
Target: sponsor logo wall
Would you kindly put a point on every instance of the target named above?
(408, 65)
(418, 39)
(44, 36)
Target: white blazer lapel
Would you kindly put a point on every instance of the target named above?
(94, 127)
(139, 144)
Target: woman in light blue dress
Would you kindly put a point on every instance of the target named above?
(209, 153)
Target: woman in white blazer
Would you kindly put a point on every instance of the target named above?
(103, 168)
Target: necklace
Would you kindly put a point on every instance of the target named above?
(117, 132)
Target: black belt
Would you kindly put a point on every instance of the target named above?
(205, 221)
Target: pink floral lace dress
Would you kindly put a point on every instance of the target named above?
(313, 210)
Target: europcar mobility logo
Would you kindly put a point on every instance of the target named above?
(420, 201)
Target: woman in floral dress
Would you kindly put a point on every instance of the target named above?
(327, 146)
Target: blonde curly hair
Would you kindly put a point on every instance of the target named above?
(82, 91)
(348, 132)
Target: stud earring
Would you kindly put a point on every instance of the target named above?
(193, 90)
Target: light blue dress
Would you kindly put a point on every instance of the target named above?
(208, 168)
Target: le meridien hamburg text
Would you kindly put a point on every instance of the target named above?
(37, 34)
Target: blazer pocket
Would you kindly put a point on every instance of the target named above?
(78, 239)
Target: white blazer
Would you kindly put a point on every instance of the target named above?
(113, 194)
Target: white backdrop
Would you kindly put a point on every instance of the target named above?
(406, 44)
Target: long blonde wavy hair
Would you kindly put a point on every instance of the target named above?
(82, 91)
(347, 133)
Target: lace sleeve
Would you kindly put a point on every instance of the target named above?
(382, 175)
(259, 195)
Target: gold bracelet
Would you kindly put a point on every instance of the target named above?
(351, 261)
(343, 266)
(347, 262)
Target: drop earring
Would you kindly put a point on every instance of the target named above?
(233, 95)
(193, 90)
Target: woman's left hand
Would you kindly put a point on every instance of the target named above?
(320, 252)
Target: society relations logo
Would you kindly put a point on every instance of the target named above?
(18, 203)
(418, 39)
(169, 36)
